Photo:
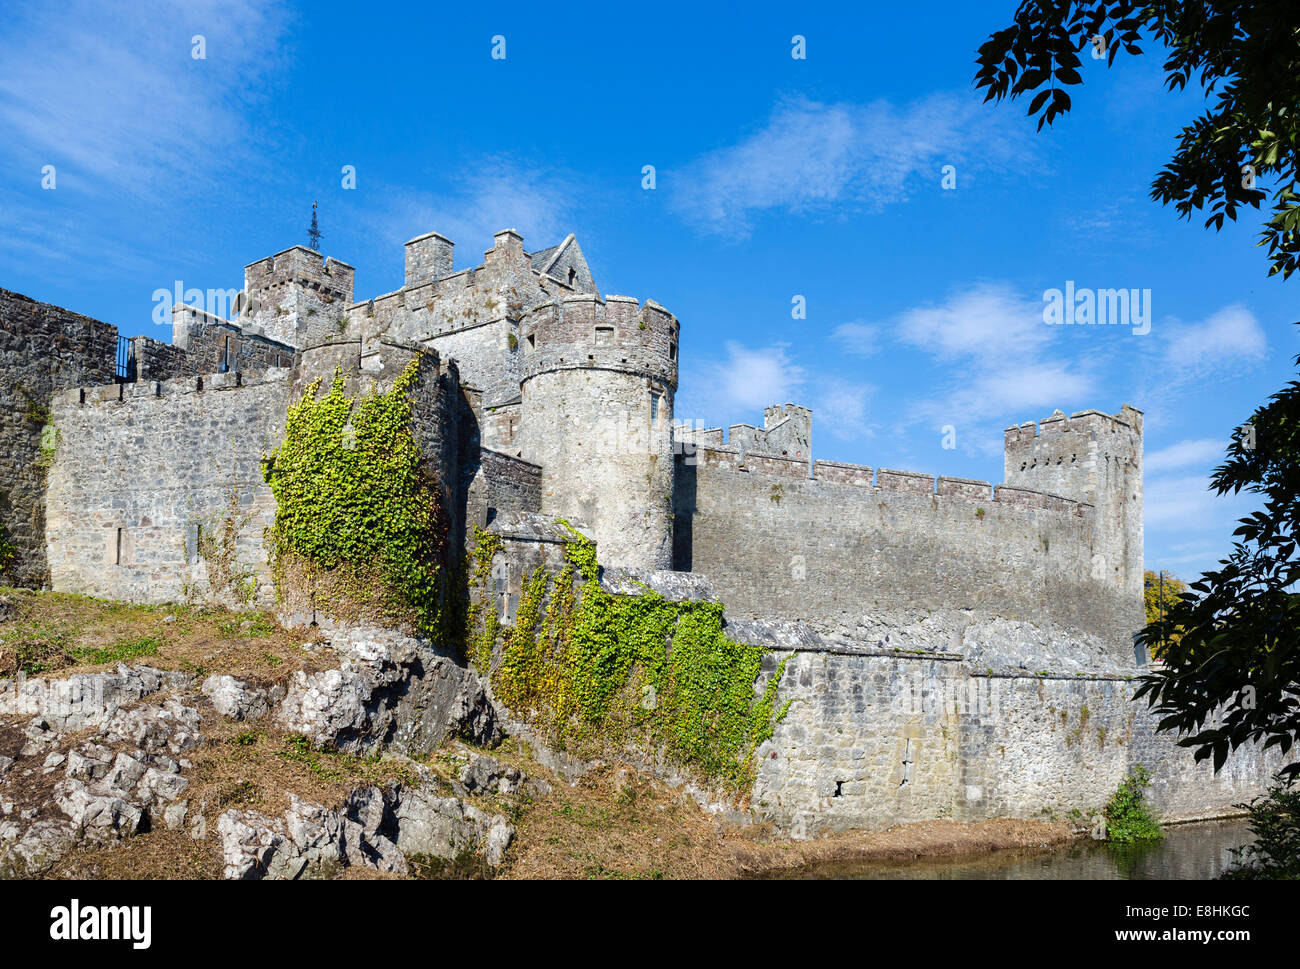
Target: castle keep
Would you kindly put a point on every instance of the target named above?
(540, 400)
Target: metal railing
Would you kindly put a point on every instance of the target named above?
(125, 371)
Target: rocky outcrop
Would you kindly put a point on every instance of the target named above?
(112, 786)
(391, 691)
(238, 700)
(83, 699)
(377, 828)
(482, 774)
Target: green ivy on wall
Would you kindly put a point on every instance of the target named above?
(358, 519)
(7, 550)
(478, 643)
(593, 669)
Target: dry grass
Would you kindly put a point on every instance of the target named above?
(613, 823)
(618, 824)
(59, 634)
(257, 766)
(154, 855)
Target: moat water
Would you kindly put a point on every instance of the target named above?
(1188, 851)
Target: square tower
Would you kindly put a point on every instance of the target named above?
(298, 298)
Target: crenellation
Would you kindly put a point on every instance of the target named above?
(907, 482)
(964, 488)
(538, 400)
(858, 475)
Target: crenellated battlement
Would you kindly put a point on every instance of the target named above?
(882, 480)
(562, 402)
(303, 267)
(1095, 457)
(583, 331)
(126, 393)
(297, 297)
(1128, 420)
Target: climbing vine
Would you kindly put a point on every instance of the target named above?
(216, 542)
(478, 644)
(593, 669)
(358, 523)
(7, 550)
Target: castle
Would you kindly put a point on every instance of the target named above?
(539, 400)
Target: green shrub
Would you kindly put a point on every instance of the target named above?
(1128, 816)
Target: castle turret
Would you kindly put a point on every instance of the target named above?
(598, 379)
(297, 298)
(788, 430)
(1094, 457)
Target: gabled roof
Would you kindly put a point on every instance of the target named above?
(566, 263)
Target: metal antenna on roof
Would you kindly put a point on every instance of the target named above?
(313, 231)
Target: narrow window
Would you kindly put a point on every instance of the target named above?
(573, 274)
(672, 350)
(117, 554)
(654, 408)
(225, 355)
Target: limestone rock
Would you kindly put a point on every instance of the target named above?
(84, 699)
(89, 762)
(152, 728)
(174, 815)
(30, 851)
(96, 817)
(373, 828)
(444, 827)
(235, 699)
(391, 692)
(487, 775)
(248, 843)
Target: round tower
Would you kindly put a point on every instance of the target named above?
(598, 380)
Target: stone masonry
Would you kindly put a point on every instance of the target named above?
(544, 405)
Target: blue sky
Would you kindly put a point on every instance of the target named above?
(775, 177)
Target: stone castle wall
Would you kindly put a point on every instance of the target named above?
(155, 360)
(142, 467)
(43, 349)
(1094, 457)
(296, 298)
(473, 315)
(502, 484)
(876, 740)
(596, 414)
(777, 543)
(209, 344)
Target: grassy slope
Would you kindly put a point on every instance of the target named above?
(613, 823)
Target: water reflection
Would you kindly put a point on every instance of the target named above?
(1188, 851)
